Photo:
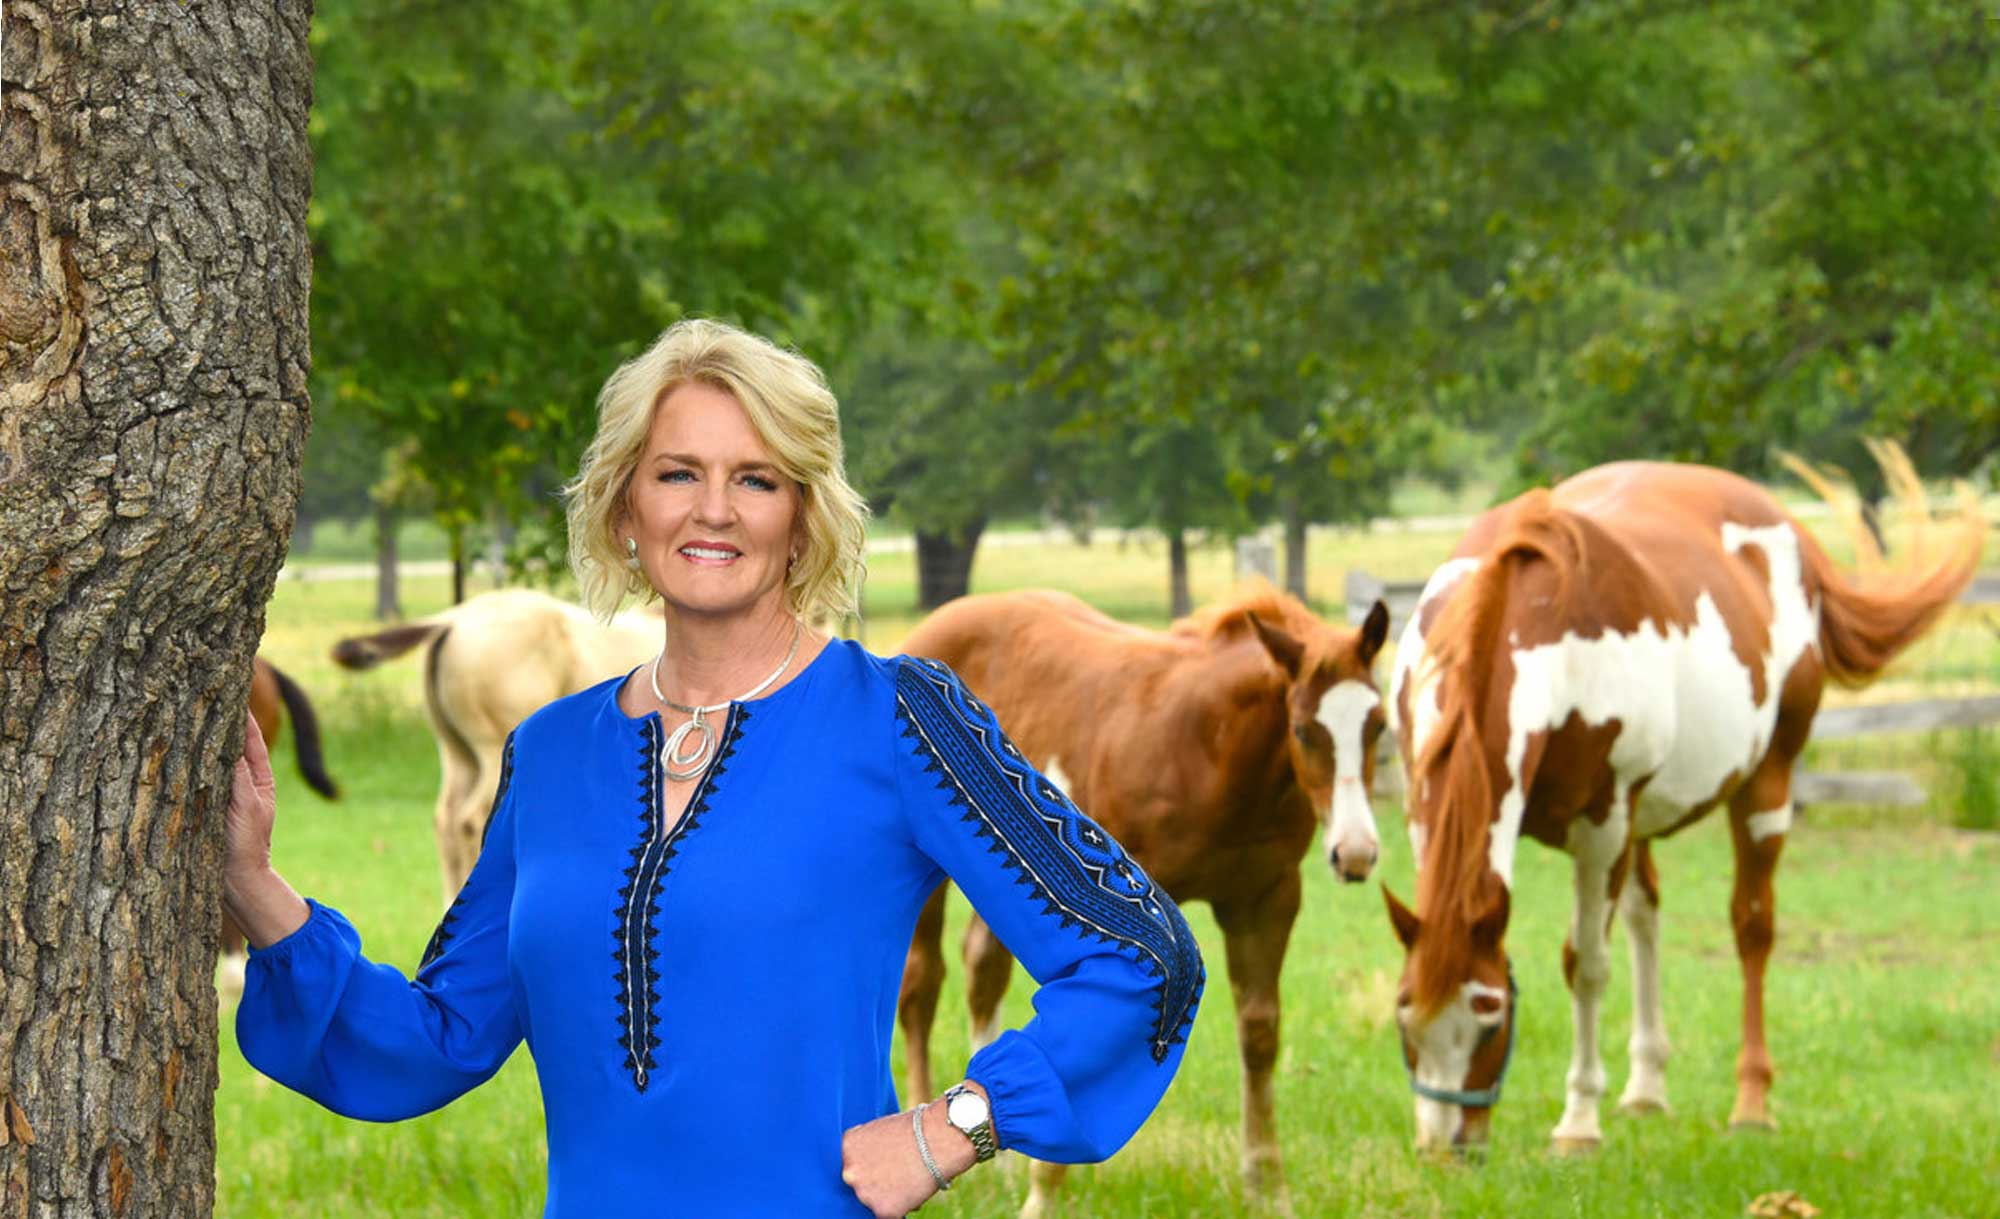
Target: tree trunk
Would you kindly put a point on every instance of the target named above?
(944, 564)
(457, 536)
(1177, 573)
(154, 177)
(1295, 549)
(388, 594)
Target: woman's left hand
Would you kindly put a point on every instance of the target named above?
(879, 1161)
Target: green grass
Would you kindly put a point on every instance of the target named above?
(1883, 998)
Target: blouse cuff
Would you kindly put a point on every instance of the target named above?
(1023, 1091)
(322, 923)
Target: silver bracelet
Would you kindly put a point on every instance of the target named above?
(924, 1147)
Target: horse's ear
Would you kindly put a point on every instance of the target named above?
(1403, 919)
(1374, 632)
(1492, 925)
(1283, 648)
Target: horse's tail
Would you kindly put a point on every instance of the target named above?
(305, 736)
(1452, 890)
(1873, 612)
(367, 651)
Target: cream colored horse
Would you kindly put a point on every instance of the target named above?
(493, 661)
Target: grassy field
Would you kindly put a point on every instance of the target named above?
(1884, 993)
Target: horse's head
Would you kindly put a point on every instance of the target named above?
(1335, 718)
(1455, 1010)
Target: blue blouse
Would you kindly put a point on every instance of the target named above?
(709, 1000)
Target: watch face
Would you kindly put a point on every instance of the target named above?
(967, 1110)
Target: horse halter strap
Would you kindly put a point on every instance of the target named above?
(1489, 1096)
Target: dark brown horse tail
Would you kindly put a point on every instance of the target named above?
(367, 651)
(1870, 614)
(305, 736)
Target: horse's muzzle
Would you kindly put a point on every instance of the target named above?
(1353, 862)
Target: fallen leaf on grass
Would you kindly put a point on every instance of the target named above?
(1782, 1204)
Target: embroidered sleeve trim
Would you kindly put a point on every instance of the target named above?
(445, 928)
(637, 976)
(1079, 873)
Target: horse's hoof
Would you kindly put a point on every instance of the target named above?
(1643, 1106)
(1576, 1147)
(1752, 1125)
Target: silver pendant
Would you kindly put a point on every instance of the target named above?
(678, 765)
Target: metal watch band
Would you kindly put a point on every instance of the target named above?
(984, 1145)
(924, 1147)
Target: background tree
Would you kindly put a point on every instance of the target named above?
(1777, 251)
(153, 338)
(1196, 265)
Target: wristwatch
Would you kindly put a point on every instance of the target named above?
(971, 1116)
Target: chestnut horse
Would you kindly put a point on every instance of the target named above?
(1211, 751)
(1598, 666)
(493, 661)
(271, 695)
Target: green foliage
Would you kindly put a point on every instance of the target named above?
(1791, 259)
(1190, 264)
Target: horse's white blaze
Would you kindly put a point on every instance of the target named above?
(1417, 840)
(1444, 1049)
(1770, 822)
(1351, 821)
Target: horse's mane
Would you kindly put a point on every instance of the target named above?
(1255, 595)
(1455, 887)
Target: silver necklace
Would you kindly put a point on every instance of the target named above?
(680, 765)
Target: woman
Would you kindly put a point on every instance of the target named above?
(699, 880)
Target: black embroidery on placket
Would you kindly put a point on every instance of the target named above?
(442, 936)
(637, 976)
(1079, 873)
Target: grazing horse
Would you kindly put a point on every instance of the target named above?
(1211, 751)
(271, 695)
(1598, 666)
(493, 661)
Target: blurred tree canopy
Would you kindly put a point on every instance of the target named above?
(1196, 265)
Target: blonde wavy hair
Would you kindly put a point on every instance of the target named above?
(794, 414)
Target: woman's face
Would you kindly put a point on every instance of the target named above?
(715, 519)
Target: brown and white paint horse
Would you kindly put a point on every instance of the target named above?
(1598, 666)
(1211, 751)
(493, 661)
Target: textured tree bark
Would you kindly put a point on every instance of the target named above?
(944, 564)
(154, 177)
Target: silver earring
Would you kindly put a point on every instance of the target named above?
(632, 553)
